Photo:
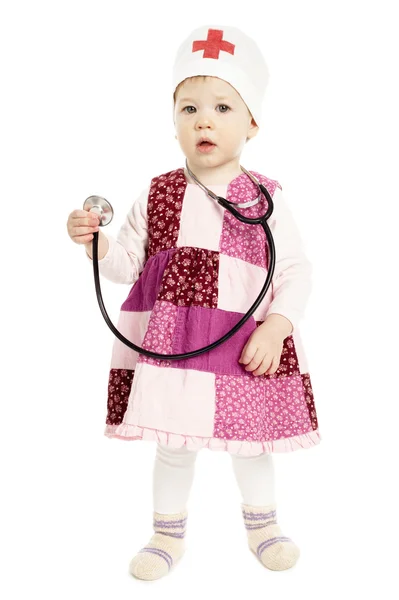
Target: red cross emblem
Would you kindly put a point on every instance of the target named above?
(213, 44)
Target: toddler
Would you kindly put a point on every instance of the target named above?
(195, 270)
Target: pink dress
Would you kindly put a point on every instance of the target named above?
(195, 271)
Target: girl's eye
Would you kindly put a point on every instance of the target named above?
(224, 108)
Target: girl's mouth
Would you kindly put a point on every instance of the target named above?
(205, 147)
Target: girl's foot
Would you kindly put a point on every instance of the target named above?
(164, 549)
(266, 540)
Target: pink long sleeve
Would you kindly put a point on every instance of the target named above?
(292, 279)
(126, 254)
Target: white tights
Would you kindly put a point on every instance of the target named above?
(174, 474)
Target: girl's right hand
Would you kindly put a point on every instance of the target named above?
(81, 226)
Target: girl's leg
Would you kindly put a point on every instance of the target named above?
(173, 477)
(255, 478)
(172, 480)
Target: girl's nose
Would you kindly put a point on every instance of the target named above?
(205, 124)
(203, 120)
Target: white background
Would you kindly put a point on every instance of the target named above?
(86, 109)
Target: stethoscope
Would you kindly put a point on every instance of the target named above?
(105, 211)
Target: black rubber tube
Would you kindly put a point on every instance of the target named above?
(230, 207)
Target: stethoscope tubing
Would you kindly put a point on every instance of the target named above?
(251, 221)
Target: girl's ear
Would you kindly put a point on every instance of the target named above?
(253, 129)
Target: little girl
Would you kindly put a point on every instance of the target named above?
(196, 270)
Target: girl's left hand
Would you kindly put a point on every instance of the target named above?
(262, 352)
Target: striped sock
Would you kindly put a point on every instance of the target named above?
(275, 551)
(163, 550)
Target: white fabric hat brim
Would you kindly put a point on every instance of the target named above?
(227, 72)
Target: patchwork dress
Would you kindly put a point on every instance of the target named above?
(195, 271)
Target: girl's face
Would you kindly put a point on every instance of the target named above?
(210, 107)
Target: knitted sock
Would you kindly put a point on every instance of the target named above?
(266, 540)
(163, 550)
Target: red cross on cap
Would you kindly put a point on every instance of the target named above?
(213, 44)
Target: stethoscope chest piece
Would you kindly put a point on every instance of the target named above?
(101, 207)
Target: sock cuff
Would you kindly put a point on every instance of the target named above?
(173, 525)
(256, 517)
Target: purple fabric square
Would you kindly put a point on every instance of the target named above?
(241, 240)
(240, 412)
(287, 410)
(197, 327)
(160, 333)
(144, 292)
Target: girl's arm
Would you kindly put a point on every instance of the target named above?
(292, 279)
(125, 256)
